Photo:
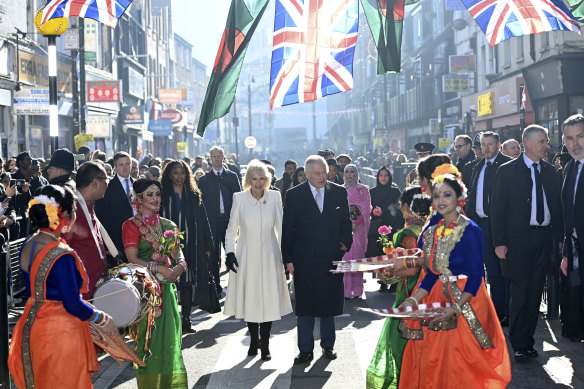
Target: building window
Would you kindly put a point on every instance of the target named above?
(519, 48)
(576, 105)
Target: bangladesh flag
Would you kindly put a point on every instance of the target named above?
(244, 17)
(577, 9)
(385, 19)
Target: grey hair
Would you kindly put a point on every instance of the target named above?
(217, 148)
(532, 129)
(509, 141)
(314, 159)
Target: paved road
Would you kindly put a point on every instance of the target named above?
(216, 356)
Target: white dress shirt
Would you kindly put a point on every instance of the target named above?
(221, 206)
(479, 205)
(546, 212)
(123, 182)
(314, 192)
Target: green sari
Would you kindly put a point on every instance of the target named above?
(383, 372)
(162, 351)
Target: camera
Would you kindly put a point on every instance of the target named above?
(18, 182)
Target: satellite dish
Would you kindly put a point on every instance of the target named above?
(459, 24)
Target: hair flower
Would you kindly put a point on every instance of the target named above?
(52, 208)
(446, 168)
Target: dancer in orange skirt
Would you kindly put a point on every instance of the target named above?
(51, 344)
(464, 346)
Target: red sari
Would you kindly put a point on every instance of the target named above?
(51, 348)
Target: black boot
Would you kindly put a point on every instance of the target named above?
(186, 302)
(265, 329)
(254, 343)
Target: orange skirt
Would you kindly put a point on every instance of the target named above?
(61, 348)
(453, 358)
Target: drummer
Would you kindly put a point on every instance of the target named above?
(84, 236)
(423, 150)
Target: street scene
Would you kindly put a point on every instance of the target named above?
(291, 194)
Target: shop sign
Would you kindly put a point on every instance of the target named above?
(170, 96)
(250, 142)
(90, 47)
(147, 135)
(173, 115)
(160, 127)
(34, 69)
(462, 63)
(181, 147)
(71, 39)
(84, 140)
(135, 83)
(444, 143)
(132, 114)
(454, 82)
(98, 126)
(103, 91)
(31, 101)
(187, 97)
(486, 104)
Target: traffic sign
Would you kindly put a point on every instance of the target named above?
(250, 142)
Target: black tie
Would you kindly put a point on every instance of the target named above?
(570, 188)
(538, 195)
(486, 188)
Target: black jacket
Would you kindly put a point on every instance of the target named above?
(511, 208)
(311, 241)
(210, 184)
(577, 209)
(471, 209)
(113, 210)
(461, 163)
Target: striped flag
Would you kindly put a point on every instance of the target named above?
(104, 11)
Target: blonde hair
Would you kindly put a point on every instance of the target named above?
(253, 167)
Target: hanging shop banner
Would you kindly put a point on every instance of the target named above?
(103, 91)
(90, 40)
(160, 127)
(98, 126)
(34, 69)
(31, 101)
(169, 96)
(133, 114)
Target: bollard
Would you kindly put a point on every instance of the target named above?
(4, 375)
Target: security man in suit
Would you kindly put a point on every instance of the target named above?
(525, 215)
(218, 186)
(423, 151)
(572, 266)
(116, 205)
(478, 209)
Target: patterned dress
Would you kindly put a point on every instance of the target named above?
(159, 347)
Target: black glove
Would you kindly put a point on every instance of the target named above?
(231, 262)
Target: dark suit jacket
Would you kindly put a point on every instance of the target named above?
(467, 171)
(113, 210)
(577, 209)
(463, 161)
(210, 185)
(471, 209)
(511, 208)
(311, 242)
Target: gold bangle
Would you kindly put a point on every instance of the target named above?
(405, 263)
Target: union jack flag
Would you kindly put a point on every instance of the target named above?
(312, 54)
(105, 11)
(503, 19)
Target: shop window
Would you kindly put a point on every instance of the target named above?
(576, 105)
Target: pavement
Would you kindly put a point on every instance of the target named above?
(216, 355)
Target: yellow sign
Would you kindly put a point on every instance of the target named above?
(181, 147)
(83, 140)
(34, 70)
(444, 143)
(486, 104)
(56, 26)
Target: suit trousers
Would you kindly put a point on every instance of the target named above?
(305, 328)
(527, 284)
(498, 285)
(221, 223)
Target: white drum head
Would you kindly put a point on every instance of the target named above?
(120, 300)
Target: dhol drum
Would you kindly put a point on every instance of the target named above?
(127, 293)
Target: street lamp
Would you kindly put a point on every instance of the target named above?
(252, 80)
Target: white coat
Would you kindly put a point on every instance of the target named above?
(258, 292)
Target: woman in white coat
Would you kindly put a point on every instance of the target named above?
(257, 291)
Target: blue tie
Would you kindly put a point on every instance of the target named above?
(128, 188)
(538, 195)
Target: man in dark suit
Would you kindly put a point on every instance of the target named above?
(572, 266)
(316, 230)
(116, 205)
(464, 151)
(525, 215)
(478, 209)
(467, 168)
(218, 186)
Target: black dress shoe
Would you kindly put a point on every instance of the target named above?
(504, 320)
(303, 358)
(521, 356)
(187, 328)
(329, 353)
(532, 353)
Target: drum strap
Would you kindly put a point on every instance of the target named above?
(104, 235)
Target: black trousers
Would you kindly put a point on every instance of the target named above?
(572, 295)
(220, 224)
(530, 268)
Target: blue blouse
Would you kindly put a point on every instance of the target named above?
(63, 284)
(466, 258)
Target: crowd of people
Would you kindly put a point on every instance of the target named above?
(501, 208)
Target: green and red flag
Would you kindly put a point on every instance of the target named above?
(385, 19)
(577, 9)
(244, 17)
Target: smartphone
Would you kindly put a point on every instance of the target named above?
(35, 162)
(19, 182)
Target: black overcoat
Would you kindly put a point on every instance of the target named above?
(311, 241)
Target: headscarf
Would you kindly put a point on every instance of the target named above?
(389, 183)
(356, 180)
